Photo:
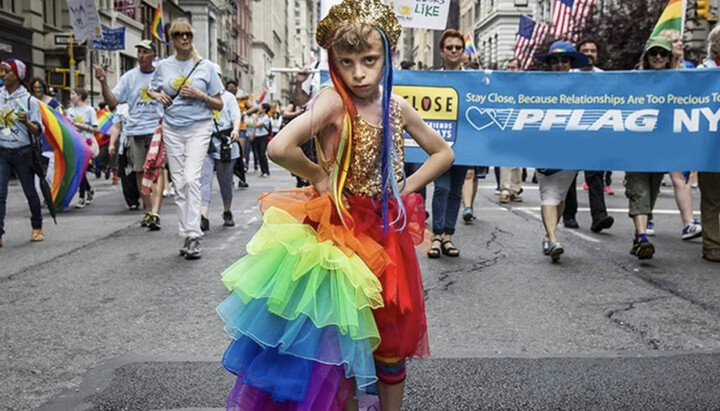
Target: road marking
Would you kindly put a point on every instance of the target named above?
(573, 232)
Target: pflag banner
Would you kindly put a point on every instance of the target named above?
(566, 121)
(672, 17)
(569, 17)
(530, 34)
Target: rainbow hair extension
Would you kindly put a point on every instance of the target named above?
(344, 149)
(389, 156)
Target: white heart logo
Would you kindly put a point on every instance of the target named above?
(482, 118)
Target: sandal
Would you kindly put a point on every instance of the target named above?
(449, 249)
(434, 251)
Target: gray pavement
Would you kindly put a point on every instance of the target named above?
(104, 315)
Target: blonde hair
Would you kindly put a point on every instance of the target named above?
(182, 22)
(668, 34)
(712, 38)
(354, 37)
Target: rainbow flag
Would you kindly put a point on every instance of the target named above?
(262, 95)
(105, 123)
(673, 17)
(158, 28)
(469, 44)
(72, 155)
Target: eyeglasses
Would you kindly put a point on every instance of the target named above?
(563, 60)
(657, 51)
(180, 34)
(455, 47)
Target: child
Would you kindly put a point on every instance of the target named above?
(85, 121)
(329, 300)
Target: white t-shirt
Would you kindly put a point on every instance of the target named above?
(145, 111)
(169, 77)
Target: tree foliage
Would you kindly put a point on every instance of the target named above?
(621, 30)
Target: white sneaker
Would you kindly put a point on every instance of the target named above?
(692, 230)
(81, 203)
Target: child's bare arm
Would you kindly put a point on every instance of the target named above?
(285, 149)
(441, 156)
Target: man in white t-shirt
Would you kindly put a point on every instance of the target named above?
(144, 114)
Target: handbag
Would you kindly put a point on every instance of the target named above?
(225, 143)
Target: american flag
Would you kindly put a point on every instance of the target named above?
(530, 34)
(569, 17)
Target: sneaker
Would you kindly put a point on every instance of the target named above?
(585, 186)
(165, 193)
(504, 198)
(242, 184)
(546, 246)
(204, 224)
(692, 230)
(81, 203)
(183, 250)
(90, 195)
(642, 249)
(650, 229)
(265, 175)
(146, 220)
(555, 250)
(516, 198)
(193, 249)
(134, 207)
(37, 235)
(609, 191)
(154, 223)
(115, 180)
(468, 215)
(571, 223)
(228, 219)
(606, 222)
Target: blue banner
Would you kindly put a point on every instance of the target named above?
(113, 39)
(664, 120)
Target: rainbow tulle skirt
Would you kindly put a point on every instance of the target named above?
(314, 304)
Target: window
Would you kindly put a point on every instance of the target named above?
(50, 12)
(127, 63)
(8, 5)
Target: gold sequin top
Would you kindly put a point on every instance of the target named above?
(364, 176)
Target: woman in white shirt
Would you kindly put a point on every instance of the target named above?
(189, 89)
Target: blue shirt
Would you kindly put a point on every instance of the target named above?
(144, 111)
(14, 134)
(168, 78)
(224, 119)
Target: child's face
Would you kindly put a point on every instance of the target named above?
(362, 71)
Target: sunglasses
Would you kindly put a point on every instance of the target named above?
(563, 59)
(180, 34)
(657, 51)
(451, 48)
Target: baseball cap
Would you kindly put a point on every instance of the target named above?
(147, 45)
(659, 41)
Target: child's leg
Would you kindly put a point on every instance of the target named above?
(390, 395)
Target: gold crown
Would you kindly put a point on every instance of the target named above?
(372, 12)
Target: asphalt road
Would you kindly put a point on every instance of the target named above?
(105, 315)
